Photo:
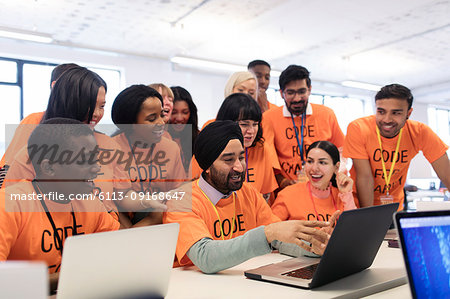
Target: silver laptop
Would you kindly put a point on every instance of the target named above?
(129, 263)
(352, 248)
(425, 242)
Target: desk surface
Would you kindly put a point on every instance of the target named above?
(189, 282)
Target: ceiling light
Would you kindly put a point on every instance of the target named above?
(206, 64)
(361, 85)
(221, 66)
(24, 35)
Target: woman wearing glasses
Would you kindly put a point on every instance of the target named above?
(259, 172)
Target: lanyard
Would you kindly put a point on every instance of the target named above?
(137, 168)
(246, 164)
(300, 145)
(314, 205)
(50, 219)
(217, 213)
(386, 178)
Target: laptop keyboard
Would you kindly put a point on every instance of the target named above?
(304, 272)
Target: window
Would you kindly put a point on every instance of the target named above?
(346, 109)
(439, 122)
(25, 89)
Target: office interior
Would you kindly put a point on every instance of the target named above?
(351, 47)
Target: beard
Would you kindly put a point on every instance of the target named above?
(297, 107)
(227, 183)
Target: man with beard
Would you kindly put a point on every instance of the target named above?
(294, 126)
(230, 222)
(382, 146)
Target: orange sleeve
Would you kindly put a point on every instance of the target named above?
(106, 222)
(279, 207)
(269, 180)
(432, 146)
(179, 174)
(264, 214)
(9, 228)
(192, 229)
(20, 169)
(208, 122)
(354, 146)
(337, 137)
(195, 169)
(21, 135)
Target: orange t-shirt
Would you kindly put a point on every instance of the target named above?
(20, 137)
(162, 171)
(279, 131)
(111, 175)
(271, 105)
(249, 211)
(208, 122)
(362, 143)
(260, 171)
(295, 203)
(27, 235)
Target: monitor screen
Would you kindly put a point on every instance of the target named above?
(427, 249)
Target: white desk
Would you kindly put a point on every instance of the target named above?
(191, 283)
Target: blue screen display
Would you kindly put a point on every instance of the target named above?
(427, 242)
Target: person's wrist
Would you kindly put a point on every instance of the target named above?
(268, 231)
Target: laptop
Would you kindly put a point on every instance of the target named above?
(129, 263)
(352, 248)
(425, 242)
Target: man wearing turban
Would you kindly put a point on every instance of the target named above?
(230, 221)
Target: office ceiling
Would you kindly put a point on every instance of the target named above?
(379, 42)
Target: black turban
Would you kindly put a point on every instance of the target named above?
(213, 139)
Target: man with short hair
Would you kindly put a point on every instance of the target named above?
(261, 69)
(383, 145)
(230, 221)
(36, 217)
(297, 124)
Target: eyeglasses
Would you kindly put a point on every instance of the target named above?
(247, 125)
(290, 93)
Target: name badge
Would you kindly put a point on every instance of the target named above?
(386, 199)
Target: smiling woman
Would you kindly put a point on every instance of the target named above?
(78, 94)
(326, 191)
(156, 164)
(241, 108)
(243, 82)
(184, 123)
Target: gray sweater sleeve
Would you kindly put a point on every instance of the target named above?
(292, 249)
(212, 256)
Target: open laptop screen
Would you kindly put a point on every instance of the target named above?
(426, 246)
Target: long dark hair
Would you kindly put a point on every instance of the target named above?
(331, 150)
(181, 94)
(128, 103)
(241, 106)
(74, 95)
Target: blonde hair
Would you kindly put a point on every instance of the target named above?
(237, 78)
(158, 86)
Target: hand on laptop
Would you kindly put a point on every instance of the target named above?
(294, 231)
(328, 230)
